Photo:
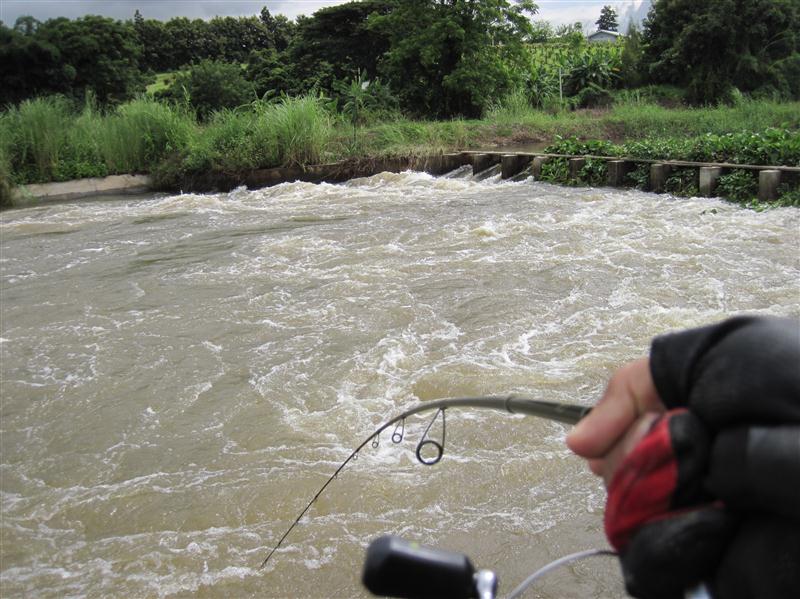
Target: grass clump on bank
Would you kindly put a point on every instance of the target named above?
(290, 132)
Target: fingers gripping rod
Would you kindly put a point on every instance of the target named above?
(513, 404)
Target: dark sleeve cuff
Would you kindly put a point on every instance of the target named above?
(674, 358)
(744, 370)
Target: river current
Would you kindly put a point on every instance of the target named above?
(180, 374)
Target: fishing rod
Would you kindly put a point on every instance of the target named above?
(512, 404)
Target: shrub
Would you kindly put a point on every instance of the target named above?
(682, 182)
(514, 107)
(302, 127)
(739, 185)
(555, 170)
(210, 86)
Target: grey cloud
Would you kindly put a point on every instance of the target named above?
(162, 10)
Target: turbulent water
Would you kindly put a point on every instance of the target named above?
(180, 374)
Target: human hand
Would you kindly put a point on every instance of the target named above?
(709, 493)
(619, 421)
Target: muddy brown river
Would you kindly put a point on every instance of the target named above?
(180, 374)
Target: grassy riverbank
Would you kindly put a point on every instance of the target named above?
(46, 139)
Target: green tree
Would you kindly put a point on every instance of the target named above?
(30, 67)
(154, 42)
(335, 43)
(711, 47)
(608, 19)
(27, 25)
(97, 54)
(630, 68)
(269, 73)
(451, 57)
(210, 86)
(542, 32)
(280, 29)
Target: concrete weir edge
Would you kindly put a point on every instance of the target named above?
(512, 164)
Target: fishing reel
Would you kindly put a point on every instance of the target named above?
(395, 567)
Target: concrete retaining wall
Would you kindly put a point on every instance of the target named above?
(81, 188)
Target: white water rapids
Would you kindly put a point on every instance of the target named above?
(179, 375)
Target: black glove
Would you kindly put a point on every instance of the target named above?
(713, 494)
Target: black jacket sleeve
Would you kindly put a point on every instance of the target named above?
(741, 377)
(745, 370)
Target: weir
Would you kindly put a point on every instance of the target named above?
(707, 173)
(510, 165)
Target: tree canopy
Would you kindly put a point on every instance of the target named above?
(70, 57)
(434, 58)
(712, 47)
(608, 19)
(450, 57)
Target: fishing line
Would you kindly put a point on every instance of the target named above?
(513, 404)
(557, 563)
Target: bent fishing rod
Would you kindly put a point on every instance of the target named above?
(512, 404)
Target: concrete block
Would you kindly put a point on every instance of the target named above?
(122, 183)
(512, 164)
(708, 180)
(480, 162)
(538, 161)
(658, 176)
(575, 166)
(768, 183)
(451, 162)
(617, 170)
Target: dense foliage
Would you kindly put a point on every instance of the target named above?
(70, 57)
(450, 58)
(210, 86)
(436, 58)
(710, 48)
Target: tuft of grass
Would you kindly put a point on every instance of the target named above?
(141, 133)
(6, 182)
(301, 127)
(39, 130)
(293, 131)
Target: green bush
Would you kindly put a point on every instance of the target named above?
(682, 182)
(639, 177)
(739, 186)
(555, 170)
(209, 86)
(301, 127)
(515, 106)
(594, 173)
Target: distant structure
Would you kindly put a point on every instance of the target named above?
(603, 36)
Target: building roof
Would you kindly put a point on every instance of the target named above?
(603, 31)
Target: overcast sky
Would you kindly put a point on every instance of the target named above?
(557, 12)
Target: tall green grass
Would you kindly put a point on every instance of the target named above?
(294, 131)
(6, 181)
(301, 128)
(47, 139)
(50, 139)
(38, 133)
(141, 133)
(636, 121)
